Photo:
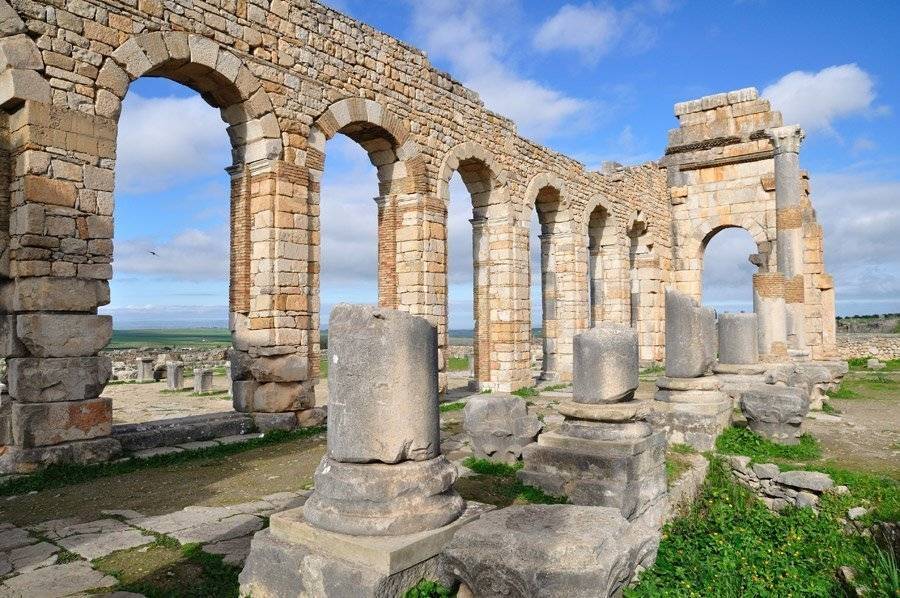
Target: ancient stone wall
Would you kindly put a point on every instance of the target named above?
(881, 346)
(287, 77)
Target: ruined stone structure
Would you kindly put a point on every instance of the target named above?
(288, 76)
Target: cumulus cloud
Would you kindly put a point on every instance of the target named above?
(457, 32)
(191, 255)
(727, 271)
(816, 100)
(167, 142)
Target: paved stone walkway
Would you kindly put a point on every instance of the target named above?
(54, 559)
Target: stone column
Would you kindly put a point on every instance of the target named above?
(145, 369)
(481, 303)
(174, 375)
(383, 505)
(789, 232)
(690, 405)
(387, 251)
(605, 453)
(768, 305)
(549, 324)
(738, 367)
(203, 380)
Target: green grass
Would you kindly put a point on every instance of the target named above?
(656, 368)
(56, 476)
(842, 392)
(458, 364)
(166, 568)
(170, 337)
(496, 484)
(555, 387)
(829, 409)
(323, 366)
(455, 406)
(859, 363)
(731, 545)
(427, 588)
(526, 392)
(742, 441)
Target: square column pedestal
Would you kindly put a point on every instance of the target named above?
(691, 411)
(294, 558)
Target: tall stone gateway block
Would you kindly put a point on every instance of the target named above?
(605, 453)
(384, 504)
(690, 406)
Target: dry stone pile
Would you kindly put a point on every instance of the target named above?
(691, 407)
(779, 489)
(605, 453)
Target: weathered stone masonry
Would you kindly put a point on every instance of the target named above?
(287, 77)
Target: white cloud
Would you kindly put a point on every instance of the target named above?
(816, 100)
(167, 142)
(457, 32)
(191, 255)
(588, 28)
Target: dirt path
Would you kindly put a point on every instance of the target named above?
(137, 403)
(865, 435)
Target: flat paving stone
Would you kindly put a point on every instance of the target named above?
(56, 581)
(95, 546)
(239, 438)
(156, 452)
(100, 526)
(15, 537)
(234, 552)
(226, 529)
(127, 514)
(198, 444)
(29, 558)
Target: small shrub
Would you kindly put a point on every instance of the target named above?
(682, 449)
(829, 409)
(556, 387)
(526, 392)
(742, 441)
(857, 363)
(656, 368)
(842, 392)
(427, 588)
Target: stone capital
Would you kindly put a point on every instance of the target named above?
(786, 139)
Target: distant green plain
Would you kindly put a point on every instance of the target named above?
(170, 337)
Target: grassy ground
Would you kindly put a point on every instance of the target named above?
(170, 337)
(730, 545)
(496, 484)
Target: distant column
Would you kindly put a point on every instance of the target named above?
(789, 231)
(203, 380)
(145, 369)
(174, 375)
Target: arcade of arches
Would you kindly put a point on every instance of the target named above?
(289, 76)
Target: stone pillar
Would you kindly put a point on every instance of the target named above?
(738, 367)
(549, 324)
(174, 375)
(768, 305)
(145, 366)
(229, 379)
(387, 251)
(481, 303)
(383, 505)
(789, 232)
(605, 453)
(690, 405)
(203, 380)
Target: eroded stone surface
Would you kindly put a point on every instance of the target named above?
(499, 426)
(606, 364)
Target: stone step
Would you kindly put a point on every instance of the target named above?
(181, 430)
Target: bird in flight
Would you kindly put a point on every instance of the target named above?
(154, 253)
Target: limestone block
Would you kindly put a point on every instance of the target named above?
(63, 335)
(174, 375)
(311, 418)
(688, 333)
(499, 426)
(551, 551)
(17, 459)
(203, 380)
(710, 340)
(17, 86)
(42, 424)
(775, 412)
(738, 338)
(272, 397)
(146, 367)
(381, 499)
(382, 386)
(242, 392)
(19, 52)
(282, 368)
(46, 293)
(40, 380)
(605, 364)
(10, 22)
(10, 346)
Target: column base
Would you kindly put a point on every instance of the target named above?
(627, 473)
(17, 459)
(691, 411)
(294, 559)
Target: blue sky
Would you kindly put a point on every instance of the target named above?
(595, 80)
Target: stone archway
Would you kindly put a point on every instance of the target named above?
(401, 185)
(607, 263)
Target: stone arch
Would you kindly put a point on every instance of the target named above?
(214, 72)
(607, 261)
(497, 322)
(384, 136)
(645, 296)
(708, 229)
